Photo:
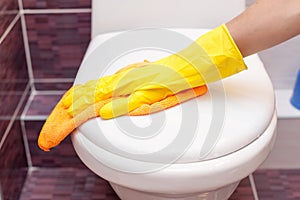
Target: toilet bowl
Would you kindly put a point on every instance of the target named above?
(200, 149)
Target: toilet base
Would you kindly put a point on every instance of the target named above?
(130, 194)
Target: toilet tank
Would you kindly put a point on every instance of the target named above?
(116, 15)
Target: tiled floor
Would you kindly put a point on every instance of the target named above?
(82, 184)
(278, 184)
(66, 183)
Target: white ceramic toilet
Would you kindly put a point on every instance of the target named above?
(200, 149)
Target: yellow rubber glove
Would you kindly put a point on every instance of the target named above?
(81, 96)
(211, 57)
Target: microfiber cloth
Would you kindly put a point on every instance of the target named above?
(60, 124)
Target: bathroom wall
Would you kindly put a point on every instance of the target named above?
(14, 91)
(58, 34)
(34, 72)
(282, 63)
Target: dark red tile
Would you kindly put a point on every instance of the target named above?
(58, 43)
(8, 10)
(14, 79)
(243, 191)
(56, 4)
(63, 155)
(66, 183)
(42, 105)
(13, 163)
(9, 102)
(13, 73)
(53, 85)
(277, 184)
(26, 99)
(3, 125)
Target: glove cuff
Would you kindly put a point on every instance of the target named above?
(221, 48)
(225, 29)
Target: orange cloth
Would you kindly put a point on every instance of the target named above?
(60, 124)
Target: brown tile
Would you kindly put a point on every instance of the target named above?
(42, 105)
(3, 125)
(14, 78)
(13, 163)
(56, 4)
(26, 98)
(277, 184)
(58, 43)
(66, 183)
(63, 155)
(243, 191)
(8, 10)
(53, 85)
(9, 102)
(13, 73)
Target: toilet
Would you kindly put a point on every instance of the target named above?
(200, 149)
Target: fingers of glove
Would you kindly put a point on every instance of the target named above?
(68, 97)
(81, 102)
(128, 81)
(122, 78)
(122, 106)
(115, 108)
(81, 96)
(88, 89)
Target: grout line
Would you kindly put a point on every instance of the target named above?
(29, 172)
(8, 12)
(20, 3)
(57, 11)
(31, 97)
(11, 93)
(50, 92)
(25, 117)
(14, 116)
(26, 145)
(253, 187)
(26, 46)
(32, 169)
(1, 193)
(35, 118)
(54, 80)
(5, 117)
(9, 28)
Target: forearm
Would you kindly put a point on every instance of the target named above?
(265, 24)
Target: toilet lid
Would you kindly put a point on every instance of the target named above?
(232, 114)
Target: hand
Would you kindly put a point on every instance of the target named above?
(210, 58)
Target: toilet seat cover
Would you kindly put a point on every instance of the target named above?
(233, 113)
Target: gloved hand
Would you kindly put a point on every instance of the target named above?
(211, 57)
(81, 96)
